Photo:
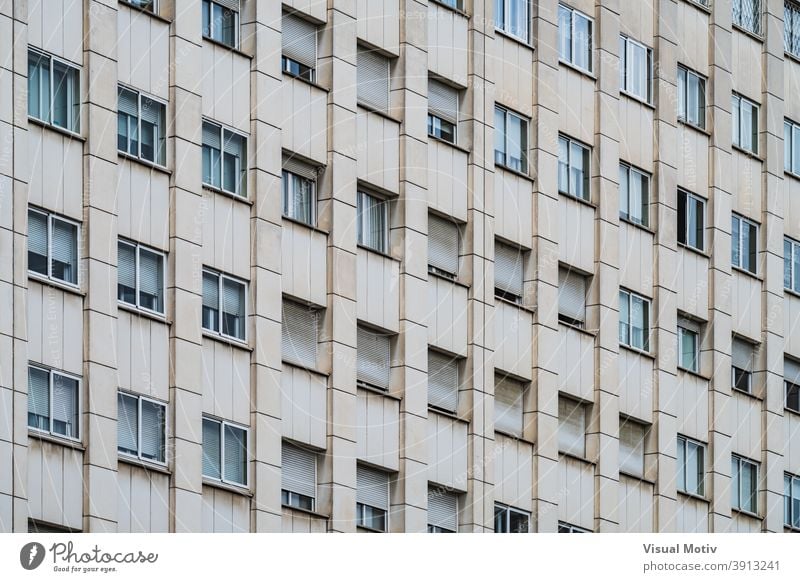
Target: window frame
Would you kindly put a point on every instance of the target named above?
(139, 400)
(645, 209)
(138, 155)
(757, 28)
(242, 179)
(587, 171)
(793, 261)
(682, 478)
(436, 124)
(222, 423)
(51, 217)
(361, 506)
(456, 363)
(684, 330)
(787, 387)
(361, 221)
(741, 462)
(640, 461)
(507, 511)
(575, 406)
(51, 101)
(564, 527)
(505, 29)
(691, 198)
(316, 315)
(137, 265)
(645, 330)
(791, 146)
(573, 39)
(51, 373)
(737, 100)
(525, 133)
(793, 485)
(212, 26)
(288, 191)
(683, 97)
(740, 244)
(742, 372)
(303, 71)
(220, 278)
(459, 4)
(626, 70)
(150, 6)
(791, 12)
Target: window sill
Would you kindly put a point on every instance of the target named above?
(694, 374)
(233, 49)
(305, 224)
(56, 440)
(792, 411)
(449, 144)
(637, 351)
(748, 153)
(233, 342)
(575, 457)
(222, 192)
(791, 174)
(530, 310)
(745, 513)
(735, 390)
(451, 9)
(446, 413)
(692, 126)
(579, 70)
(380, 253)
(519, 173)
(640, 478)
(376, 390)
(755, 276)
(588, 203)
(160, 318)
(306, 512)
(513, 436)
(637, 99)
(313, 371)
(694, 250)
(63, 131)
(454, 281)
(145, 12)
(147, 163)
(314, 84)
(706, 9)
(754, 35)
(238, 489)
(142, 464)
(694, 496)
(519, 40)
(592, 334)
(635, 224)
(792, 292)
(379, 112)
(69, 288)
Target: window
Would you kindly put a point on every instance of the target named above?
(54, 91)
(141, 427)
(571, 297)
(442, 511)
(299, 184)
(443, 246)
(53, 402)
(299, 38)
(564, 527)
(510, 520)
(221, 21)
(791, 375)
(372, 499)
(508, 394)
(52, 246)
(691, 97)
(373, 222)
(141, 126)
(791, 27)
(298, 477)
(573, 168)
(224, 452)
(691, 466)
(691, 220)
(571, 427)
(791, 265)
(443, 381)
(744, 484)
(149, 5)
(511, 16)
(510, 140)
(224, 301)
(373, 355)
(635, 69)
(508, 269)
(744, 244)
(791, 501)
(454, 4)
(224, 159)
(140, 276)
(634, 195)
(631, 447)
(688, 345)
(299, 334)
(634, 320)
(791, 147)
(442, 111)
(372, 72)
(747, 14)
(745, 123)
(741, 365)
(574, 37)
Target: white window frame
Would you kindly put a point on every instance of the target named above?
(586, 154)
(212, 25)
(738, 16)
(139, 400)
(525, 129)
(51, 217)
(288, 184)
(241, 177)
(684, 94)
(222, 424)
(564, 527)
(691, 199)
(361, 507)
(627, 72)
(136, 267)
(507, 511)
(436, 122)
(634, 172)
(573, 41)
(646, 303)
(791, 27)
(738, 103)
(51, 373)
(791, 492)
(740, 244)
(791, 147)
(457, 5)
(734, 368)
(362, 220)
(685, 329)
(220, 278)
(506, 25)
(138, 155)
(684, 444)
(51, 97)
(736, 485)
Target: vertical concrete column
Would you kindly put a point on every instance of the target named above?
(99, 273)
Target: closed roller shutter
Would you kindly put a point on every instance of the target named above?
(372, 488)
(299, 40)
(508, 269)
(299, 334)
(373, 79)
(571, 295)
(443, 101)
(508, 406)
(373, 358)
(443, 509)
(442, 381)
(299, 470)
(443, 245)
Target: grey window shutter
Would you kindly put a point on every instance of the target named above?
(572, 427)
(65, 243)
(211, 449)
(442, 381)
(229, 4)
(373, 358)
(508, 406)
(39, 393)
(128, 102)
(235, 454)
(299, 40)
(508, 268)
(37, 233)
(65, 404)
(153, 112)
(299, 334)
(150, 272)
(442, 101)
(211, 135)
(443, 244)
(211, 290)
(791, 371)
(153, 416)
(127, 422)
(571, 294)
(298, 470)
(442, 509)
(372, 71)
(126, 265)
(372, 488)
(742, 356)
(295, 166)
(631, 448)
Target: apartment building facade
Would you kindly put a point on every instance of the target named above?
(399, 265)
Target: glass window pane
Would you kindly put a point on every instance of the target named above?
(735, 484)
(126, 273)
(127, 424)
(212, 452)
(682, 464)
(693, 99)
(65, 96)
(153, 429)
(235, 455)
(516, 138)
(577, 177)
(624, 318)
(499, 14)
(65, 406)
(682, 93)
(735, 242)
(38, 242)
(583, 42)
(624, 210)
(563, 165)
(64, 251)
(564, 33)
(682, 217)
(751, 247)
(736, 120)
(796, 148)
(499, 136)
(796, 267)
(787, 146)
(692, 476)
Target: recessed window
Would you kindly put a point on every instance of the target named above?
(443, 246)
(298, 477)
(221, 21)
(512, 16)
(745, 123)
(510, 140)
(141, 427)
(691, 466)
(791, 375)
(508, 272)
(54, 91)
(691, 220)
(299, 336)
(510, 519)
(635, 69)
(372, 72)
(791, 147)
(747, 14)
(224, 452)
(634, 195)
(373, 358)
(575, 37)
(744, 484)
(571, 427)
(688, 345)
(141, 126)
(744, 244)
(742, 365)
(791, 264)
(224, 159)
(454, 4)
(571, 297)
(299, 185)
(53, 246)
(791, 501)
(224, 301)
(634, 320)
(631, 447)
(442, 111)
(140, 276)
(372, 499)
(53, 402)
(442, 511)
(508, 408)
(564, 527)
(691, 97)
(299, 37)
(443, 381)
(373, 222)
(573, 168)
(148, 5)
(791, 27)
